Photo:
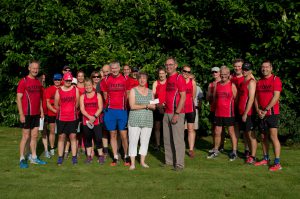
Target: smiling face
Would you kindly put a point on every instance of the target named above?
(186, 72)
(96, 77)
(126, 70)
(171, 66)
(33, 69)
(162, 75)
(88, 85)
(115, 69)
(80, 77)
(225, 74)
(238, 68)
(266, 69)
(142, 80)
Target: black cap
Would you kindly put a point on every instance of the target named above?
(135, 69)
(247, 66)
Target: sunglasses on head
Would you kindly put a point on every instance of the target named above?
(186, 71)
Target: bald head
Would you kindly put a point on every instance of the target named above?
(106, 70)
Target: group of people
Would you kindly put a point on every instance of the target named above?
(86, 112)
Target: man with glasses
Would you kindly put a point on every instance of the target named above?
(267, 106)
(173, 122)
(29, 103)
(50, 93)
(224, 94)
(115, 115)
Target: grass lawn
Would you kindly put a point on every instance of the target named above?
(202, 178)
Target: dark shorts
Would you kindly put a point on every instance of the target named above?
(51, 119)
(31, 121)
(224, 121)
(66, 127)
(158, 116)
(115, 119)
(211, 117)
(248, 125)
(271, 121)
(190, 117)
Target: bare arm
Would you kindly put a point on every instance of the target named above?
(154, 87)
(251, 94)
(234, 91)
(274, 100)
(83, 111)
(56, 100)
(194, 89)
(100, 105)
(20, 108)
(181, 102)
(50, 107)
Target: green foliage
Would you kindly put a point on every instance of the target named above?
(87, 34)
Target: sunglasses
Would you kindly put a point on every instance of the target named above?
(246, 70)
(96, 77)
(212, 72)
(67, 70)
(69, 81)
(57, 80)
(186, 71)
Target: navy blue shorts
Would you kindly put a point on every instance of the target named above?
(115, 119)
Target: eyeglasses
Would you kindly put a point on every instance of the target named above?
(169, 65)
(186, 71)
(212, 72)
(96, 77)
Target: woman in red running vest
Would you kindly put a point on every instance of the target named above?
(190, 113)
(95, 77)
(66, 102)
(159, 92)
(91, 106)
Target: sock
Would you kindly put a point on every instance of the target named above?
(266, 157)
(234, 151)
(105, 150)
(277, 161)
(22, 158)
(116, 157)
(34, 157)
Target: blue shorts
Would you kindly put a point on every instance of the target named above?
(115, 119)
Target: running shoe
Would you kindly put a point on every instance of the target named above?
(247, 154)
(212, 155)
(74, 160)
(114, 162)
(52, 152)
(29, 157)
(60, 161)
(47, 154)
(191, 154)
(232, 156)
(127, 161)
(261, 163)
(23, 164)
(250, 160)
(275, 167)
(88, 160)
(101, 159)
(37, 161)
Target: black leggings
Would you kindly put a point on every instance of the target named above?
(93, 134)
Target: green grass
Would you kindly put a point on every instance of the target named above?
(202, 178)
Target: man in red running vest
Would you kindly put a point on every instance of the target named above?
(29, 102)
(224, 95)
(267, 106)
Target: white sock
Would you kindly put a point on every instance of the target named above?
(22, 158)
(116, 157)
(33, 157)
